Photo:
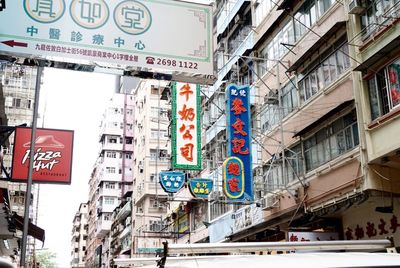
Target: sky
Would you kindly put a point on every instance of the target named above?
(76, 101)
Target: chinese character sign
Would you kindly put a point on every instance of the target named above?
(233, 178)
(186, 149)
(200, 187)
(239, 136)
(160, 35)
(52, 161)
(171, 181)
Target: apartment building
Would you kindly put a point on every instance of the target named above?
(79, 236)
(324, 109)
(112, 175)
(152, 155)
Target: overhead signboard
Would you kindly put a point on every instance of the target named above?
(186, 140)
(52, 156)
(153, 35)
(200, 187)
(239, 142)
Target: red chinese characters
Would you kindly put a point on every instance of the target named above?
(234, 168)
(238, 143)
(370, 229)
(187, 116)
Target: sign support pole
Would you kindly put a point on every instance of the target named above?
(30, 170)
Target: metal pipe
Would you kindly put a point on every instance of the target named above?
(242, 247)
(30, 169)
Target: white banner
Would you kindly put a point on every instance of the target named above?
(156, 35)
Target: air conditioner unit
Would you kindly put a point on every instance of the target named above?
(271, 97)
(270, 202)
(357, 7)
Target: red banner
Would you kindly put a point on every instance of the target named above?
(52, 159)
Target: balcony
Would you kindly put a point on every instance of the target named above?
(102, 228)
(125, 232)
(125, 211)
(227, 13)
(243, 42)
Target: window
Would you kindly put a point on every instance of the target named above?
(162, 155)
(384, 90)
(110, 185)
(110, 169)
(289, 99)
(331, 141)
(108, 200)
(294, 166)
(162, 134)
(305, 17)
(323, 146)
(111, 155)
(263, 8)
(16, 103)
(393, 71)
(156, 226)
(324, 73)
(324, 5)
(269, 117)
(378, 12)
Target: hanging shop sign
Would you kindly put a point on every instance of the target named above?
(186, 146)
(52, 157)
(200, 188)
(155, 35)
(239, 140)
(172, 181)
(233, 178)
(312, 236)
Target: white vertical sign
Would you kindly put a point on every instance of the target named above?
(186, 149)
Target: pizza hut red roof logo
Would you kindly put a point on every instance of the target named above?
(52, 160)
(46, 141)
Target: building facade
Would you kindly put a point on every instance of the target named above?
(112, 175)
(152, 155)
(79, 236)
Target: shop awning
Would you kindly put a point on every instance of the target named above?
(33, 230)
(322, 119)
(316, 46)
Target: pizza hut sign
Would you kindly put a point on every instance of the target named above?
(52, 160)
